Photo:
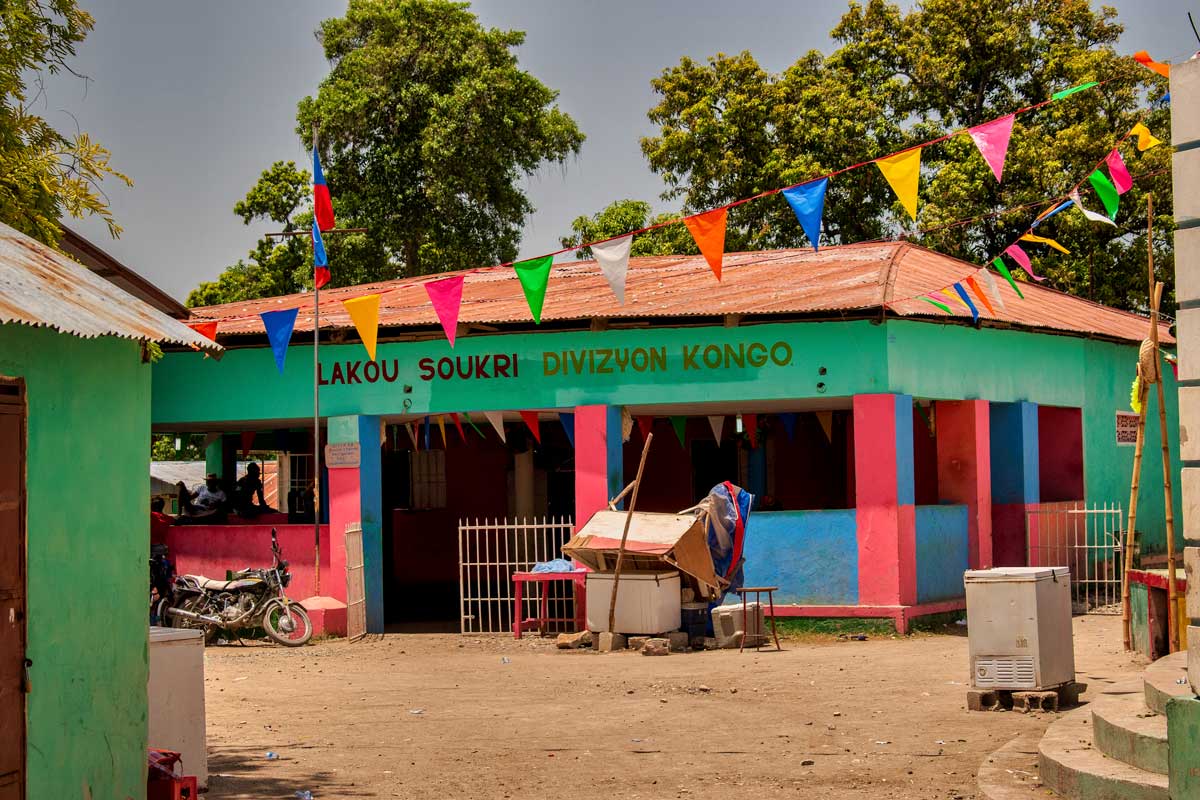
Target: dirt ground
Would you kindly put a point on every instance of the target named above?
(445, 716)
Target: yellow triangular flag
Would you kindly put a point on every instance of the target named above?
(441, 421)
(1146, 139)
(826, 420)
(954, 296)
(1029, 237)
(364, 313)
(903, 172)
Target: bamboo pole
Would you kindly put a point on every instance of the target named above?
(637, 482)
(1134, 484)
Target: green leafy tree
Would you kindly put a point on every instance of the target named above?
(43, 173)
(729, 130)
(624, 216)
(162, 447)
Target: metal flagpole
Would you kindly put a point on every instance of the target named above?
(316, 416)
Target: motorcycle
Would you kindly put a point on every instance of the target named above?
(254, 598)
(162, 574)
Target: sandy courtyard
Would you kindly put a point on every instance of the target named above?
(443, 716)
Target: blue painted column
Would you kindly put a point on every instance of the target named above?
(356, 495)
(1015, 478)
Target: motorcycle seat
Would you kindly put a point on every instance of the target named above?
(223, 586)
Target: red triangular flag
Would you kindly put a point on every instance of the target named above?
(645, 425)
(458, 425)
(446, 297)
(708, 229)
(750, 422)
(247, 442)
(206, 329)
(531, 420)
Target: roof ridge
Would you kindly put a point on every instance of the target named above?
(891, 270)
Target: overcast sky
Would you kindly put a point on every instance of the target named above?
(195, 99)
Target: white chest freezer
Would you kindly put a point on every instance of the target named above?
(647, 602)
(1019, 627)
(176, 694)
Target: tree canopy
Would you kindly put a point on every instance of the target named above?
(427, 126)
(728, 129)
(623, 216)
(43, 173)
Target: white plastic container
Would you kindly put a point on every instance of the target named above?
(1019, 627)
(647, 602)
(727, 622)
(176, 694)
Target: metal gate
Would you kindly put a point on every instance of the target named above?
(490, 551)
(1088, 541)
(356, 587)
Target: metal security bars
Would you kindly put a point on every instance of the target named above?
(1087, 541)
(490, 551)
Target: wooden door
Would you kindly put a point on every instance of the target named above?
(12, 589)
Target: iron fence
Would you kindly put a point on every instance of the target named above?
(1085, 539)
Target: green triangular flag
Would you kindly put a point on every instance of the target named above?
(534, 275)
(1072, 90)
(1107, 192)
(933, 302)
(471, 422)
(1007, 275)
(680, 426)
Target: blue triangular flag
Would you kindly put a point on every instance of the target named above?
(319, 257)
(279, 326)
(427, 434)
(789, 424)
(808, 201)
(568, 423)
(967, 299)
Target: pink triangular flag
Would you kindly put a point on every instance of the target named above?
(1120, 174)
(1021, 257)
(992, 140)
(446, 296)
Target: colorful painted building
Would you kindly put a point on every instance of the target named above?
(899, 445)
(74, 525)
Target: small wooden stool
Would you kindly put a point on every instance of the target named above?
(758, 592)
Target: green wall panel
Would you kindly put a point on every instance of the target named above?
(88, 533)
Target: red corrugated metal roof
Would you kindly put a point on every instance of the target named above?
(837, 280)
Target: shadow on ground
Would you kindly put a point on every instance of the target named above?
(245, 772)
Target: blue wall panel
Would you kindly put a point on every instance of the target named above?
(812, 556)
(941, 552)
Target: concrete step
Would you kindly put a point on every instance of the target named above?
(1160, 681)
(1125, 729)
(1070, 765)
(1011, 773)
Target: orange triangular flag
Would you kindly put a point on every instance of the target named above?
(980, 294)
(1143, 58)
(708, 229)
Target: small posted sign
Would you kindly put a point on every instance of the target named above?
(342, 454)
(1127, 425)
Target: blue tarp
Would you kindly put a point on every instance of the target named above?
(726, 538)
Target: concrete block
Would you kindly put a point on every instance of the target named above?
(637, 642)
(1185, 116)
(982, 700)
(656, 647)
(1189, 413)
(1188, 330)
(678, 641)
(1183, 731)
(1191, 565)
(327, 614)
(608, 642)
(1187, 270)
(1189, 485)
(1185, 171)
(1035, 701)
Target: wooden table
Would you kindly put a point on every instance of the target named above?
(758, 592)
(521, 623)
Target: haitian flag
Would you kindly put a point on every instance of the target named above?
(322, 202)
(321, 274)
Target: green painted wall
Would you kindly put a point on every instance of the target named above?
(88, 534)
(923, 359)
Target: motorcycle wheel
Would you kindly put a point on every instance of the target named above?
(276, 622)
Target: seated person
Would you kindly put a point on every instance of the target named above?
(205, 505)
(250, 486)
(159, 522)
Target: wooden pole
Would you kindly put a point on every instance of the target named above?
(1134, 484)
(637, 482)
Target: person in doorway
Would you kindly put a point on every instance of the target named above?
(160, 522)
(250, 488)
(205, 505)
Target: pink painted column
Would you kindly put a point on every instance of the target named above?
(964, 469)
(343, 509)
(598, 459)
(884, 504)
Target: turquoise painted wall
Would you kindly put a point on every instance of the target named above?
(88, 540)
(941, 552)
(923, 359)
(812, 556)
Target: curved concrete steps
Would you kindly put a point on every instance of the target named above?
(1011, 773)
(1160, 681)
(1069, 764)
(1125, 729)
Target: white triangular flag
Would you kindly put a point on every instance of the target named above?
(992, 288)
(412, 434)
(497, 420)
(613, 258)
(718, 424)
(1091, 215)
